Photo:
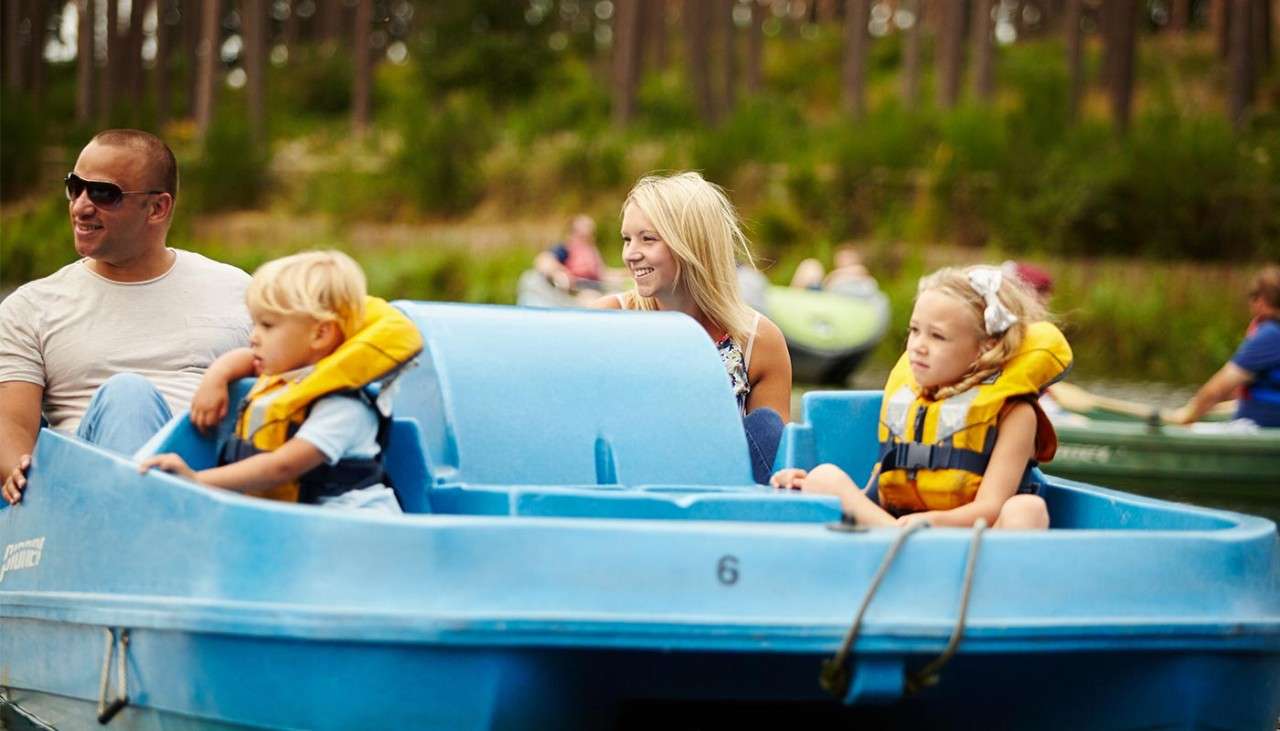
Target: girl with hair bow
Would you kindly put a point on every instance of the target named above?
(960, 427)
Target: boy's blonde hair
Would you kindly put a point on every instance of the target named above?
(701, 228)
(1016, 297)
(326, 285)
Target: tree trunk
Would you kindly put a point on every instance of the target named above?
(950, 52)
(108, 82)
(1180, 16)
(1123, 25)
(84, 60)
(729, 37)
(984, 62)
(697, 21)
(653, 15)
(206, 80)
(1261, 36)
(362, 79)
(132, 73)
(1220, 23)
(1242, 62)
(330, 18)
(1075, 65)
(291, 25)
(253, 25)
(856, 40)
(755, 48)
(12, 46)
(164, 55)
(626, 53)
(34, 66)
(191, 19)
(911, 54)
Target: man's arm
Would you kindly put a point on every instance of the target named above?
(1219, 388)
(19, 426)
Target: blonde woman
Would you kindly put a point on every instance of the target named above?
(682, 241)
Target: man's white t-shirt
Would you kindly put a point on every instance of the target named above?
(74, 329)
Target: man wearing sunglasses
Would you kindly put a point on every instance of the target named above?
(110, 346)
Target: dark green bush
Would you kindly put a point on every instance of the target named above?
(22, 132)
(442, 153)
(231, 171)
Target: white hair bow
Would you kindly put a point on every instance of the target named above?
(986, 282)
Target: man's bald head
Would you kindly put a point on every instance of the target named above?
(162, 166)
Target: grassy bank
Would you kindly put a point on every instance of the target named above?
(1126, 318)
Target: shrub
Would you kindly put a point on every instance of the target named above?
(442, 153)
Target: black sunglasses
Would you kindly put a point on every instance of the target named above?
(107, 195)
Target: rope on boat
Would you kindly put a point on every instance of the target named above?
(106, 711)
(836, 674)
(929, 674)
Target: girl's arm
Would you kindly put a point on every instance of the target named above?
(209, 404)
(258, 473)
(770, 373)
(1015, 445)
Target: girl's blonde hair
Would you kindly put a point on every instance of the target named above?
(1016, 297)
(326, 285)
(700, 226)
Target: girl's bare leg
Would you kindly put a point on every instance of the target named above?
(831, 480)
(1023, 512)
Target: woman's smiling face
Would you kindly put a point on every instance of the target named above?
(646, 255)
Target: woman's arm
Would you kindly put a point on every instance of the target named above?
(258, 473)
(770, 372)
(1015, 446)
(1219, 387)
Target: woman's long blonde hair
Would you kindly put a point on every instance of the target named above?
(1016, 297)
(702, 229)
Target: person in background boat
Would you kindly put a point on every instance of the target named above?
(681, 239)
(307, 430)
(108, 347)
(960, 425)
(1255, 367)
(848, 273)
(575, 264)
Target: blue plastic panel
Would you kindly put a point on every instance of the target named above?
(516, 396)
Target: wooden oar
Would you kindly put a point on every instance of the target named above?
(1074, 398)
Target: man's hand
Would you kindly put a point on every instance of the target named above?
(171, 463)
(209, 404)
(16, 480)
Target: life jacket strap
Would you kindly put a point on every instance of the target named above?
(333, 480)
(917, 456)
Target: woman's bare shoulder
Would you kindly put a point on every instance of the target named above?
(607, 302)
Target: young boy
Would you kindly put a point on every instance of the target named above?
(307, 431)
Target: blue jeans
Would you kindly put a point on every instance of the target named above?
(123, 414)
(764, 431)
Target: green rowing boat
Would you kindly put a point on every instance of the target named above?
(1213, 465)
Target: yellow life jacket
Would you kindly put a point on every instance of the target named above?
(934, 452)
(278, 404)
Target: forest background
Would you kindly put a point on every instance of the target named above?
(1130, 147)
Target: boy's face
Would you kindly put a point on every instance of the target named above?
(282, 343)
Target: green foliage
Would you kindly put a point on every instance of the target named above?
(759, 130)
(230, 173)
(316, 81)
(572, 100)
(23, 135)
(486, 46)
(35, 241)
(442, 153)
